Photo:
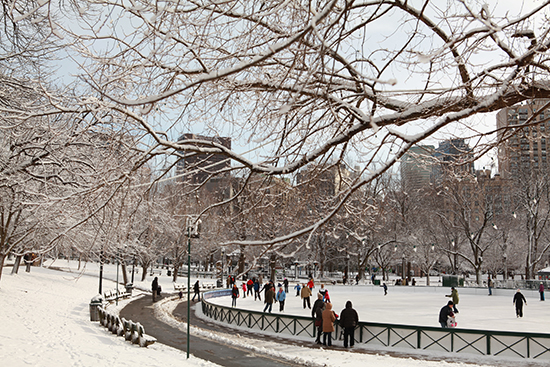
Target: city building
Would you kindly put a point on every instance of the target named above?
(196, 168)
(454, 156)
(522, 131)
(416, 167)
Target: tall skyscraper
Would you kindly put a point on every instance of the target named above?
(523, 130)
(416, 167)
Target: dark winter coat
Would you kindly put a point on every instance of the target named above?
(196, 288)
(444, 313)
(155, 284)
(519, 299)
(235, 292)
(328, 319)
(317, 310)
(269, 295)
(348, 316)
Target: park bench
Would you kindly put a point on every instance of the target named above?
(208, 285)
(179, 287)
(131, 331)
(115, 294)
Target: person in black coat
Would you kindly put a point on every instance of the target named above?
(349, 320)
(317, 314)
(196, 289)
(155, 287)
(446, 311)
(234, 295)
(518, 301)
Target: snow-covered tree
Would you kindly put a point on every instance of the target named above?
(306, 82)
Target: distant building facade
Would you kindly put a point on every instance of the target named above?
(196, 168)
(416, 167)
(524, 132)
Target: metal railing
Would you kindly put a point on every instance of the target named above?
(421, 338)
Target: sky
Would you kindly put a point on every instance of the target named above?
(45, 322)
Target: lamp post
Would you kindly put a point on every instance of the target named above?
(296, 269)
(403, 266)
(223, 264)
(505, 267)
(347, 266)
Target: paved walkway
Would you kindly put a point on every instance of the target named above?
(141, 310)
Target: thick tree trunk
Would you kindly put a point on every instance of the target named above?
(16, 264)
(144, 273)
(175, 273)
(2, 258)
(124, 273)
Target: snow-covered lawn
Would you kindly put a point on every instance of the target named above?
(45, 322)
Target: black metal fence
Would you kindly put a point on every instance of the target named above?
(422, 338)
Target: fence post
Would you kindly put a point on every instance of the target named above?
(488, 344)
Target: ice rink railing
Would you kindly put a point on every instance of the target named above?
(421, 338)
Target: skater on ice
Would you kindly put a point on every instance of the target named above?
(454, 297)
(519, 299)
(445, 313)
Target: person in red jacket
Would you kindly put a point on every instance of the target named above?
(250, 286)
(310, 284)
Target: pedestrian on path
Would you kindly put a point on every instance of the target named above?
(519, 299)
(281, 297)
(317, 314)
(349, 320)
(243, 286)
(541, 291)
(269, 298)
(490, 285)
(328, 324)
(306, 293)
(454, 295)
(234, 295)
(196, 290)
(385, 288)
(154, 287)
(285, 283)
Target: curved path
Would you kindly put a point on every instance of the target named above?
(231, 356)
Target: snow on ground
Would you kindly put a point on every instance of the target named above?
(45, 322)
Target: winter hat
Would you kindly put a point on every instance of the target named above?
(452, 288)
(450, 303)
(348, 304)
(518, 290)
(319, 296)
